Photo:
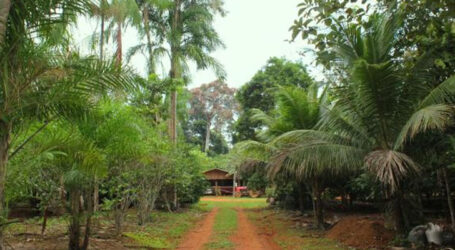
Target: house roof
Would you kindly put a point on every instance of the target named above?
(217, 174)
(216, 169)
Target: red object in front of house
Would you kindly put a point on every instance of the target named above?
(240, 188)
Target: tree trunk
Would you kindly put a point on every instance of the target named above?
(119, 51)
(318, 207)
(173, 121)
(449, 197)
(145, 18)
(43, 225)
(175, 68)
(397, 213)
(102, 36)
(96, 196)
(74, 228)
(88, 220)
(5, 133)
(62, 196)
(5, 6)
(118, 214)
(166, 201)
(301, 189)
(144, 204)
(176, 199)
(207, 136)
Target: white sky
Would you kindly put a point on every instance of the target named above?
(253, 31)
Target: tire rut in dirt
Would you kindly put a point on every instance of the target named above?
(248, 236)
(200, 233)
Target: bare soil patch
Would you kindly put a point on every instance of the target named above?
(248, 237)
(364, 232)
(200, 234)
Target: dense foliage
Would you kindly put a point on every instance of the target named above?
(83, 134)
(389, 101)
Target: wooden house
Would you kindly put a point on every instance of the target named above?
(220, 180)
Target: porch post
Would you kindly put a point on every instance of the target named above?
(233, 186)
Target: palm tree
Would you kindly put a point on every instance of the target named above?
(81, 163)
(375, 116)
(153, 28)
(297, 110)
(102, 11)
(38, 81)
(123, 13)
(191, 37)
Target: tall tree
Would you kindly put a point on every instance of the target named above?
(191, 37)
(101, 10)
(296, 110)
(215, 104)
(153, 28)
(258, 93)
(124, 13)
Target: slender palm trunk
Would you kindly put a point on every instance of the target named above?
(119, 51)
(5, 6)
(175, 72)
(75, 228)
(62, 196)
(207, 136)
(88, 219)
(5, 134)
(449, 197)
(96, 195)
(145, 18)
(173, 121)
(43, 225)
(102, 37)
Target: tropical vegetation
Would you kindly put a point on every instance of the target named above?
(83, 135)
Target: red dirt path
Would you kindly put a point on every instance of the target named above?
(248, 237)
(196, 238)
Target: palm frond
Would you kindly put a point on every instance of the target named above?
(433, 117)
(443, 93)
(391, 167)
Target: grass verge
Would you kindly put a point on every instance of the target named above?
(225, 225)
(230, 202)
(166, 229)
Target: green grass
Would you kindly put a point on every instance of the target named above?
(166, 229)
(145, 240)
(230, 202)
(33, 225)
(225, 225)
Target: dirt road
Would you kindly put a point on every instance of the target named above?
(246, 237)
(200, 234)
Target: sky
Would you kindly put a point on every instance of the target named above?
(252, 30)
